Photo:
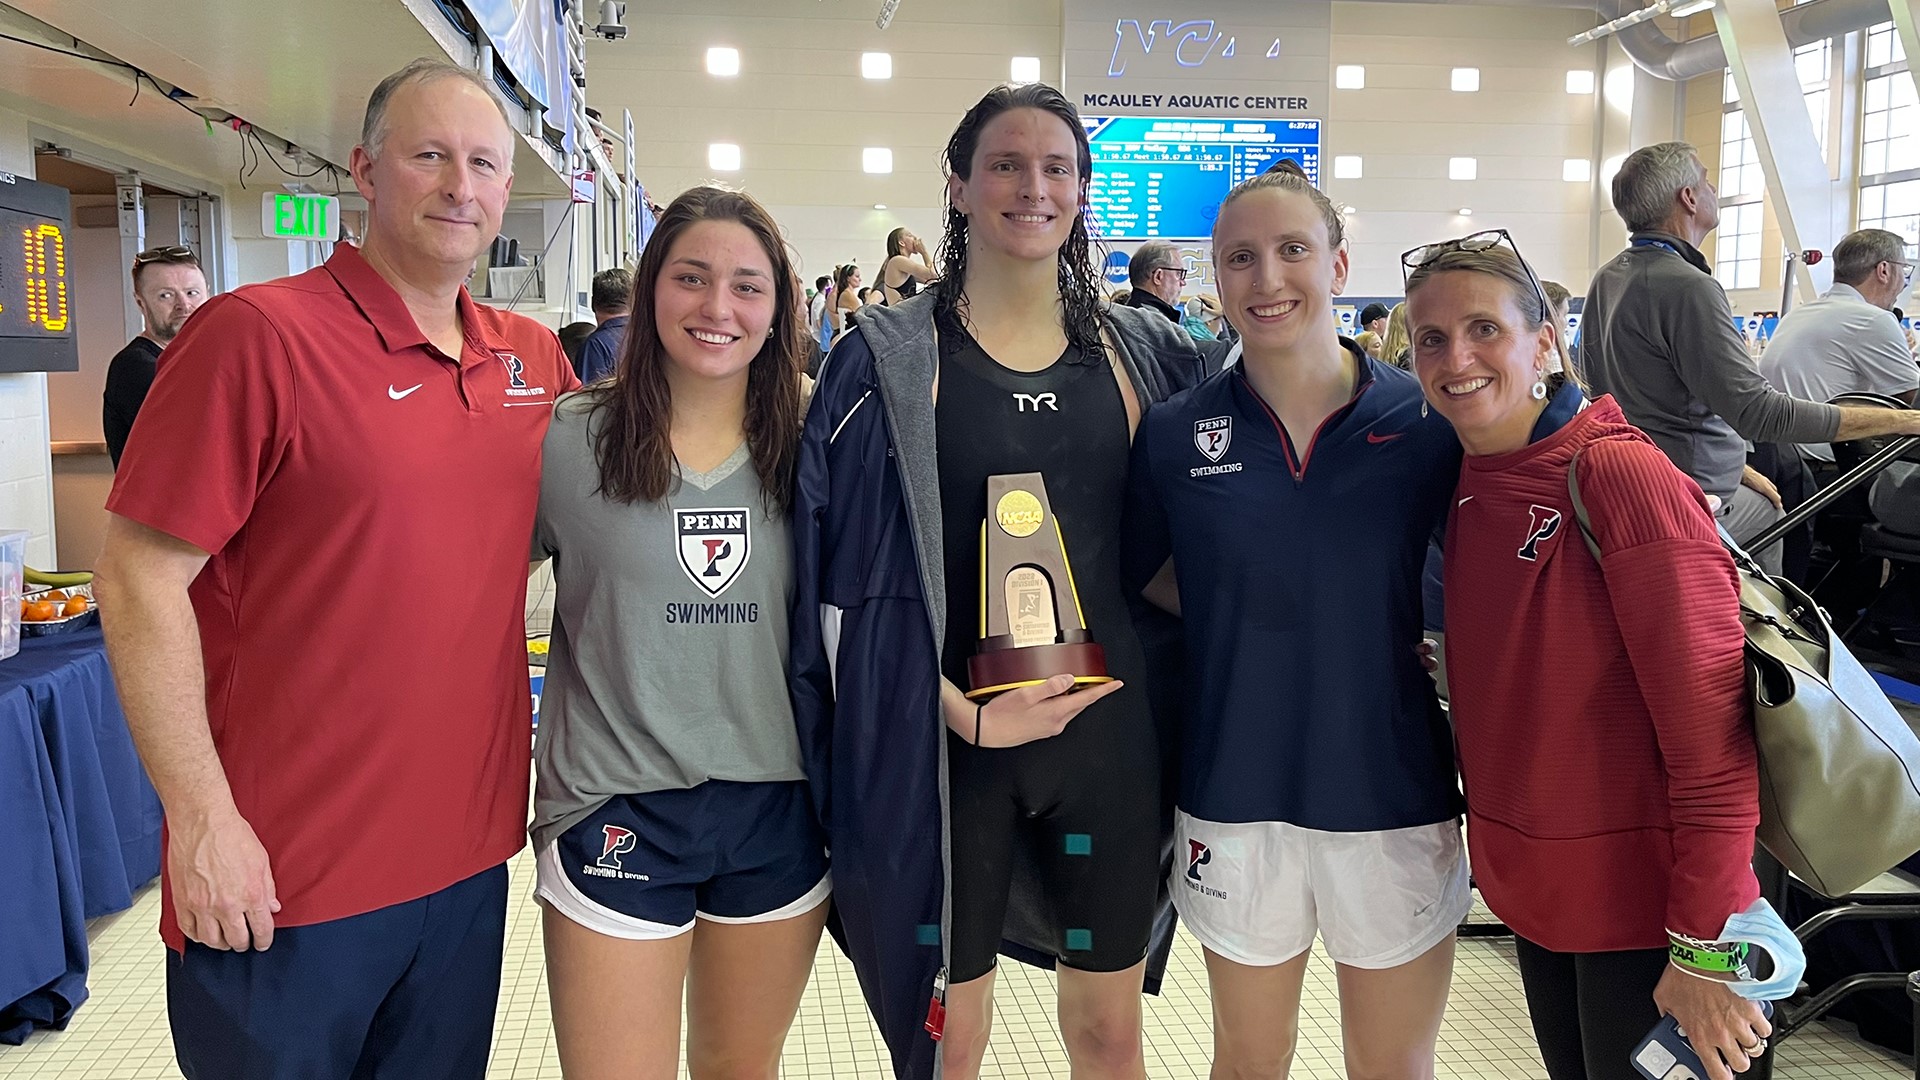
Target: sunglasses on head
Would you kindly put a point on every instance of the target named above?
(1416, 258)
(171, 253)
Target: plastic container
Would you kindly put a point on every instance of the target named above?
(13, 581)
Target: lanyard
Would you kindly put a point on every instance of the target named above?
(1650, 242)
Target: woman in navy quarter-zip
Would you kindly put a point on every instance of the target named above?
(1295, 493)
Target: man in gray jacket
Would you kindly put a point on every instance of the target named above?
(1658, 335)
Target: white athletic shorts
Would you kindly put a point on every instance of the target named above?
(1257, 892)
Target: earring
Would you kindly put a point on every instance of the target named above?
(769, 331)
(1539, 387)
(1423, 408)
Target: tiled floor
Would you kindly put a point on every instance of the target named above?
(121, 1034)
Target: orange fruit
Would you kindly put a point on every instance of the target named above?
(41, 611)
(76, 605)
(57, 596)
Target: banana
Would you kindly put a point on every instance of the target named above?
(65, 580)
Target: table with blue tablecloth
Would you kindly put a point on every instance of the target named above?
(79, 823)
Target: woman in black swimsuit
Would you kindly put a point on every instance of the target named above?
(907, 268)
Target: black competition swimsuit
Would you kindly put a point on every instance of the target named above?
(1084, 804)
(897, 293)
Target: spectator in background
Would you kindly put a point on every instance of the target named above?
(1906, 331)
(1841, 343)
(612, 300)
(1396, 347)
(168, 286)
(817, 303)
(572, 336)
(1373, 319)
(820, 312)
(1206, 307)
(1157, 278)
(1844, 342)
(1657, 334)
(846, 297)
(1559, 301)
(1369, 343)
(907, 268)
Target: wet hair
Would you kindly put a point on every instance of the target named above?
(1286, 175)
(895, 246)
(1503, 264)
(1080, 284)
(633, 443)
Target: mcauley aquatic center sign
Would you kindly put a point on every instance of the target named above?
(1218, 102)
(1177, 58)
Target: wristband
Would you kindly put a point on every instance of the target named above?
(1709, 956)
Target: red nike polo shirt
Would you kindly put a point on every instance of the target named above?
(368, 502)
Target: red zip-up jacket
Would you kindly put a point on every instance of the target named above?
(1600, 708)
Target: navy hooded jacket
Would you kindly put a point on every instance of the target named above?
(868, 617)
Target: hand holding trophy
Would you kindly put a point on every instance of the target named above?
(1031, 625)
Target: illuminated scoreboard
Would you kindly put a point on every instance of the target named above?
(1163, 178)
(36, 294)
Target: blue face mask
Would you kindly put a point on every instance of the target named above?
(1760, 926)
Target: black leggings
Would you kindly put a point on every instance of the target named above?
(1590, 1010)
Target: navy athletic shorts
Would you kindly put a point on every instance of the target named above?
(643, 867)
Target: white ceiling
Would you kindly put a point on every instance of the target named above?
(301, 71)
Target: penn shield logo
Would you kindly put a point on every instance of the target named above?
(1543, 523)
(619, 842)
(1198, 855)
(1212, 437)
(516, 367)
(714, 545)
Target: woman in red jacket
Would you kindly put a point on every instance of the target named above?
(1600, 708)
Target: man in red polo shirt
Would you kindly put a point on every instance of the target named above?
(315, 573)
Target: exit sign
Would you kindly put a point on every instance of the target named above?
(287, 216)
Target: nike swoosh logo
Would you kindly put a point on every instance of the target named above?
(398, 394)
(1464, 501)
(1376, 439)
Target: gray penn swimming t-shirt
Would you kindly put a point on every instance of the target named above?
(668, 664)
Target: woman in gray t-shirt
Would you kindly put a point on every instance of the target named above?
(678, 848)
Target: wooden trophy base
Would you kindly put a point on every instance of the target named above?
(996, 672)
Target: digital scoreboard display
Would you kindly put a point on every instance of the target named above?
(36, 294)
(1163, 178)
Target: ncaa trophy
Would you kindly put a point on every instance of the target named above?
(1031, 626)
